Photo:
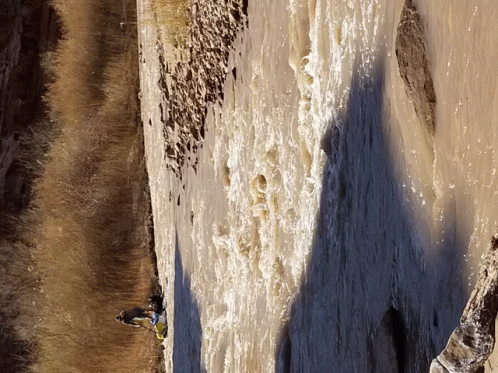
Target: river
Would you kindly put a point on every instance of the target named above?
(324, 228)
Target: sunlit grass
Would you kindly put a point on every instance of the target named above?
(87, 232)
(172, 19)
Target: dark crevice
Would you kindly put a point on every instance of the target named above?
(398, 332)
(283, 361)
(386, 346)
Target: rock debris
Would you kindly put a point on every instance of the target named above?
(197, 81)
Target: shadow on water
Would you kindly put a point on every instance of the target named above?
(188, 330)
(366, 303)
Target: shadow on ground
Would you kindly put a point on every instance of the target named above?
(187, 321)
(367, 302)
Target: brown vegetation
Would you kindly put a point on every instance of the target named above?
(17, 310)
(84, 246)
(173, 15)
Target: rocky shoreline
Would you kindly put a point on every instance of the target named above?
(472, 342)
(197, 81)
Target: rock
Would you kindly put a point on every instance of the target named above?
(471, 343)
(414, 66)
(196, 82)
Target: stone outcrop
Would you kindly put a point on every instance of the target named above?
(197, 81)
(471, 343)
(414, 66)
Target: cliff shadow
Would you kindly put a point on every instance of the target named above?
(187, 340)
(367, 302)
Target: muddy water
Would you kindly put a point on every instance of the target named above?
(325, 229)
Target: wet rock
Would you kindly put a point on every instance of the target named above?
(196, 82)
(414, 66)
(471, 343)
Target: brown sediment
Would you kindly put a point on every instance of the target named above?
(196, 82)
(414, 66)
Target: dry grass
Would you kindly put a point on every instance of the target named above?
(172, 18)
(17, 311)
(86, 238)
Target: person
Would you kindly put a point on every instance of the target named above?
(160, 325)
(134, 316)
(155, 313)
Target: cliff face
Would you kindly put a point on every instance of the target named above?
(28, 29)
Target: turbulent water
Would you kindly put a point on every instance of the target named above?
(325, 228)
